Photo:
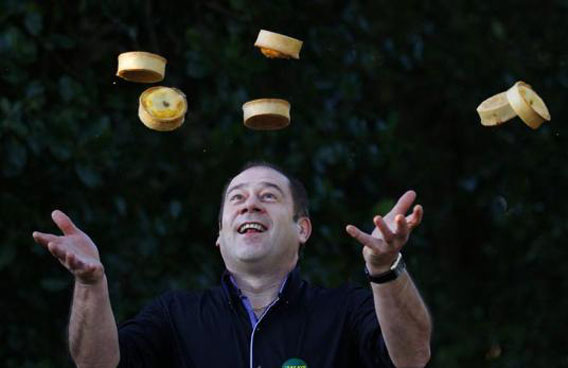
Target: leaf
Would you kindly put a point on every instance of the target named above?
(14, 157)
(54, 284)
(90, 177)
(34, 23)
(383, 207)
(175, 208)
(62, 41)
(120, 205)
(197, 66)
(238, 4)
(7, 255)
(66, 88)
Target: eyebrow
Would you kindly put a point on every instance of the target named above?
(264, 183)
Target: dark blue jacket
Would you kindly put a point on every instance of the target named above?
(316, 326)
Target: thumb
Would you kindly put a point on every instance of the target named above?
(64, 223)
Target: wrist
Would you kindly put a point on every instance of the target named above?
(380, 275)
(90, 282)
(377, 268)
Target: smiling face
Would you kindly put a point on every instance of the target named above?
(258, 230)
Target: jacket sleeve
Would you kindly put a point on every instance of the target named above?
(366, 330)
(147, 340)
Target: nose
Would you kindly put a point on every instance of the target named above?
(252, 204)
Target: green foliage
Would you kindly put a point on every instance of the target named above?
(383, 99)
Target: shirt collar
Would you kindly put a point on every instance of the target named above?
(288, 291)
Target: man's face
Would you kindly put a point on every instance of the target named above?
(258, 227)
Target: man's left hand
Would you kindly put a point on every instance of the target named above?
(391, 233)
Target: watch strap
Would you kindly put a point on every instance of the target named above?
(396, 269)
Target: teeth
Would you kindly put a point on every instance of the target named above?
(251, 225)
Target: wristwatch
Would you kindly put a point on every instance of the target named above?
(396, 269)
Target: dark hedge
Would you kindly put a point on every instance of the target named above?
(383, 100)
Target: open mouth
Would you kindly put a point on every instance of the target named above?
(251, 227)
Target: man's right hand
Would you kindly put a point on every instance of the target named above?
(74, 249)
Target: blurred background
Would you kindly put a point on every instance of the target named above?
(383, 100)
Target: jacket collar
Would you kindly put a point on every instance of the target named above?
(288, 294)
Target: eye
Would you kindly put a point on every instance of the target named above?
(268, 196)
(236, 197)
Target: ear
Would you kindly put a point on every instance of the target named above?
(218, 241)
(304, 229)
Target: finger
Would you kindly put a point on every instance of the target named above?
(403, 204)
(383, 228)
(416, 217)
(362, 237)
(402, 227)
(56, 250)
(63, 222)
(43, 238)
(74, 263)
(90, 268)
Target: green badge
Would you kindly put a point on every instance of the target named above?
(295, 363)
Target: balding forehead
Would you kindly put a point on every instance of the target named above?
(263, 184)
(259, 173)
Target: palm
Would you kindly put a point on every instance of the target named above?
(85, 252)
(74, 250)
(391, 232)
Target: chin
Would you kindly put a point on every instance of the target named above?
(251, 255)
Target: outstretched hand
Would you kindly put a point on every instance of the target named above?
(74, 249)
(391, 233)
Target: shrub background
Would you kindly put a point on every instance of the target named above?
(383, 99)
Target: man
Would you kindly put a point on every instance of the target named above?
(263, 314)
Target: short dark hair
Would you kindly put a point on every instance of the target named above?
(299, 193)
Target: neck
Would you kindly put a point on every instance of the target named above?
(260, 289)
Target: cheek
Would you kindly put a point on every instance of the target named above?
(225, 233)
(226, 220)
(223, 238)
(289, 232)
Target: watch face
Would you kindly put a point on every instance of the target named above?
(397, 262)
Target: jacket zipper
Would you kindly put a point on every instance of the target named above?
(254, 330)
